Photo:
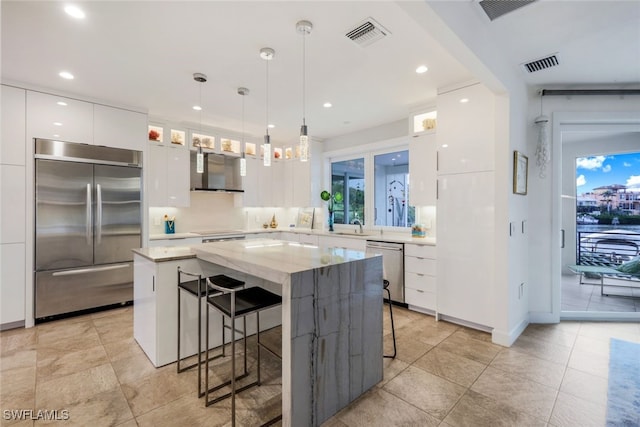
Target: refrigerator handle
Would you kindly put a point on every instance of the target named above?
(87, 232)
(99, 213)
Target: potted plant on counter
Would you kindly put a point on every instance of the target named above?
(331, 199)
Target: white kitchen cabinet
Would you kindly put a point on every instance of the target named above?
(466, 130)
(12, 280)
(422, 169)
(466, 236)
(304, 238)
(179, 241)
(250, 197)
(420, 277)
(265, 185)
(357, 244)
(13, 204)
(115, 127)
(155, 314)
(268, 235)
(12, 149)
(278, 184)
(57, 117)
(308, 239)
(168, 176)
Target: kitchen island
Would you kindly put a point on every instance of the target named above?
(331, 314)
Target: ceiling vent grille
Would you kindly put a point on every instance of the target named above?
(542, 63)
(367, 32)
(496, 8)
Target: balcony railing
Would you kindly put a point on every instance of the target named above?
(609, 248)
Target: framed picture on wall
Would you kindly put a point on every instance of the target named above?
(520, 169)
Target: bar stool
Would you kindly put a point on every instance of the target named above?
(196, 288)
(234, 303)
(385, 285)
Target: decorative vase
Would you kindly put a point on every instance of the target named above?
(330, 221)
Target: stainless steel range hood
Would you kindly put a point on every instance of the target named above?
(221, 173)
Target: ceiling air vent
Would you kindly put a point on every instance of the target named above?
(367, 32)
(542, 63)
(496, 8)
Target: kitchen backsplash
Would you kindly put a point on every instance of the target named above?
(217, 211)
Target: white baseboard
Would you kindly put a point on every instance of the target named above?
(542, 317)
(506, 339)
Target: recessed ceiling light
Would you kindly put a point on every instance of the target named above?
(271, 126)
(197, 108)
(61, 103)
(422, 69)
(464, 100)
(57, 124)
(327, 105)
(445, 145)
(55, 135)
(66, 75)
(74, 11)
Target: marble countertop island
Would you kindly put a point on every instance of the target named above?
(331, 319)
(331, 313)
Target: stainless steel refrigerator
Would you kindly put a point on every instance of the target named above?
(87, 220)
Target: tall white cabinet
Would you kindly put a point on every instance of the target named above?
(466, 204)
(13, 207)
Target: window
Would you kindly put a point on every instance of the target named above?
(375, 188)
(391, 189)
(347, 177)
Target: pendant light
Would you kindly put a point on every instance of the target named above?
(267, 54)
(243, 160)
(304, 28)
(200, 78)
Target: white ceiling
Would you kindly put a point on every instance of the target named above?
(143, 54)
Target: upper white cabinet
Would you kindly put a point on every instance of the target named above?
(466, 130)
(115, 127)
(286, 183)
(57, 117)
(168, 176)
(12, 150)
(422, 169)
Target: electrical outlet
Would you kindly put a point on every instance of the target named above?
(156, 220)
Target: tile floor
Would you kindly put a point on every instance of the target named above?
(586, 297)
(446, 375)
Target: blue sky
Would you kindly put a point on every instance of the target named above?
(598, 171)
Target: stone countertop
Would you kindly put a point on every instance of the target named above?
(166, 253)
(391, 237)
(272, 259)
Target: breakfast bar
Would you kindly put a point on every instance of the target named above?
(331, 315)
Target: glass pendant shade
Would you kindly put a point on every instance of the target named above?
(243, 165)
(200, 78)
(267, 150)
(304, 144)
(200, 161)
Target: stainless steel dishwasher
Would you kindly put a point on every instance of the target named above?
(393, 266)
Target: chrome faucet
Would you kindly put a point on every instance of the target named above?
(357, 221)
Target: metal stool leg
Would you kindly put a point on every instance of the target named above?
(393, 328)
